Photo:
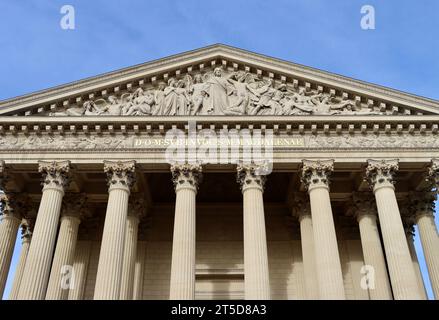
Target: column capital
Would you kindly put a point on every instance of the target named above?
(422, 203)
(248, 176)
(363, 204)
(407, 216)
(380, 173)
(14, 204)
(186, 175)
(55, 174)
(120, 174)
(27, 227)
(74, 205)
(3, 175)
(315, 173)
(433, 173)
(136, 206)
(301, 205)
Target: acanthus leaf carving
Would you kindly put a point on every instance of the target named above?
(186, 175)
(316, 173)
(381, 172)
(55, 174)
(120, 174)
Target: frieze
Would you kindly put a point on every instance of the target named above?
(82, 142)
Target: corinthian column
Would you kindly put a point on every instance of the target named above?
(302, 211)
(256, 274)
(36, 272)
(423, 208)
(139, 271)
(120, 177)
(80, 266)
(186, 178)
(366, 213)
(26, 236)
(402, 274)
(135, 210)
(62, 276)
(13, 205)
(410, 233)
(315, 178)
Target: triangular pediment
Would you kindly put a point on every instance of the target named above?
(220, 81)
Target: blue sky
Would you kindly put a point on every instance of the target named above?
(402, 52)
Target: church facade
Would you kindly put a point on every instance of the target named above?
(218, 174)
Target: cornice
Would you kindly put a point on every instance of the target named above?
(285, 124)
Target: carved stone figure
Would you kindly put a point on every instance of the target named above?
(114, 107)
(219, 92)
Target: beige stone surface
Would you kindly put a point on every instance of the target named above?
(58, 287)
(8, 233)
(80, 267)
(25, 243)
(129, 258)
(430, 244)
(256, 272)
(402, 273)
(182, 282)
(315, 176)
(199, 247)
(39, 259)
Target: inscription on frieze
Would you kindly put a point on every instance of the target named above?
(88, 142)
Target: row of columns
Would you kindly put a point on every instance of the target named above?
(117, 260)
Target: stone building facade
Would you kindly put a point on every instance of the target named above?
(106, 213)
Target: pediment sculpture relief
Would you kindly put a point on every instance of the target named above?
(218, 93)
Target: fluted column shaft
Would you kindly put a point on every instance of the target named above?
(80, 267)
(109, 274)
(58, 287)
(329, 274)
(36, 272)
(9, 225)
(139, 271)
(308, 256)
(416, 266)
(374, 256)
(430, 245)
(256, 273)
(186, 178)
(25, 243)
(183, 246)
(129, 258)
(402, 273)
